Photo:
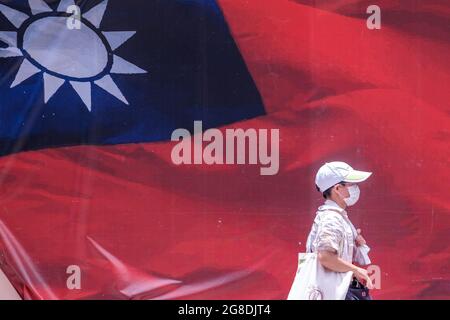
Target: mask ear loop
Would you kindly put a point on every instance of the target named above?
(340, 195)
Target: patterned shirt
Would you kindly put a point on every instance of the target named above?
(333, 231)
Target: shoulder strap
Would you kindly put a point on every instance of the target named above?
(347, 221)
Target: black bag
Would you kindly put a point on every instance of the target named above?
(357, 291)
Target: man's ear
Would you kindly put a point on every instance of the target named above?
(335, 188)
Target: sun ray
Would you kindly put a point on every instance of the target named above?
(117, 38)
(121, 66)
(9, 37)
(26, 71)
(54, 73)
(51, 85)
(95, 15)
(14, 16)
(108, 84)
(64, 4)
(38, 6)
(83, 89)
(10, 52)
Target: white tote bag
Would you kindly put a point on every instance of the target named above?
(7, 291)
(314, 282)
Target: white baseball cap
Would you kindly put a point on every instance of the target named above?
(332, 173)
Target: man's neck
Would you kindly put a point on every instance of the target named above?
(340, 203)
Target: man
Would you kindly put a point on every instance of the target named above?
(333, 237)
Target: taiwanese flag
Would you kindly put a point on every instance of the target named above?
(87, 111)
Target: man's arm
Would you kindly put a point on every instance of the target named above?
(331, 260)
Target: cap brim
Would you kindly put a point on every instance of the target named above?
(357, 176)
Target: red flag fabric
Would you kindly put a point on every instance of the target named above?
(140, 227)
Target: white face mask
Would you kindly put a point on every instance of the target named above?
(354, 195)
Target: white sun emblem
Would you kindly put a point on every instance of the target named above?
(82, 56)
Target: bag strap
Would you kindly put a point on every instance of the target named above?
(347, 220)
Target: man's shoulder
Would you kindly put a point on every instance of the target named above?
(329, 214)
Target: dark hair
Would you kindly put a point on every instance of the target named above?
(327, 193)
